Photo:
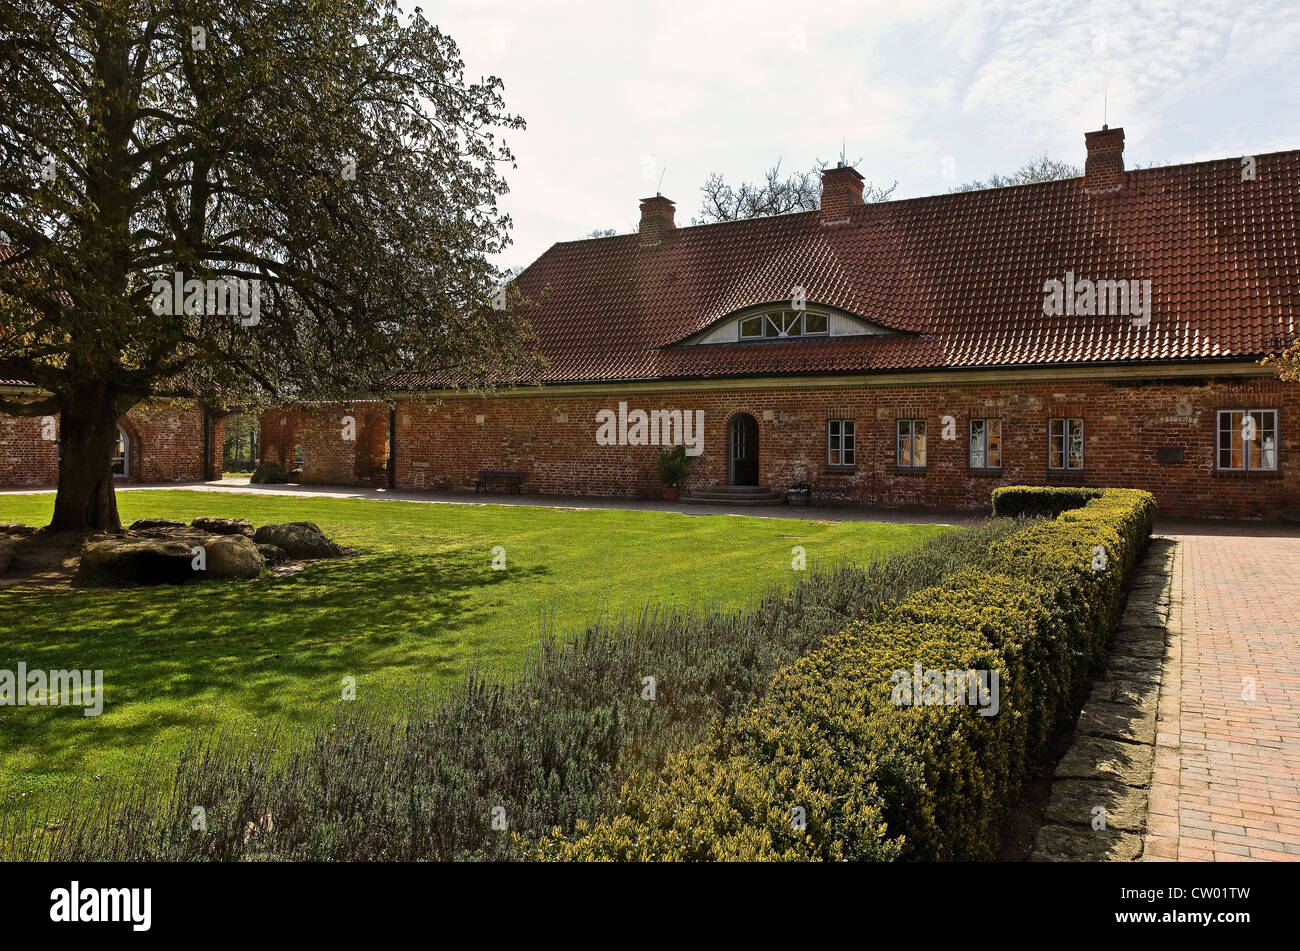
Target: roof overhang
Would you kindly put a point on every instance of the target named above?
(1118, 373)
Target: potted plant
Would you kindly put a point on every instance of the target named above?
(799, 494)
(672, 469)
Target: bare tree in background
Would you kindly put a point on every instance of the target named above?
(774, 195)
(1041, 169)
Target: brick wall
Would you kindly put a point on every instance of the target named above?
(25, 457)
(328, 457)
(442, 445)
(166, 445)
(216, 448)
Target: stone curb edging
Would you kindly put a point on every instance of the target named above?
(1122, 739)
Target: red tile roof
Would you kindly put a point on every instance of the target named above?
(960, 276)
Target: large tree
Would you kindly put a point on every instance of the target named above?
(324, 160)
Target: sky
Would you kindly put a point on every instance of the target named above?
(620, 95)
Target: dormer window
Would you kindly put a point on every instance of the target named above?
(776, 324)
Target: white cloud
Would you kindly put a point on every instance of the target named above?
(913, 87)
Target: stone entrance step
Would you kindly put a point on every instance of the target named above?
(735, 495)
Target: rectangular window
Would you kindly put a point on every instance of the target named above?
(785, 323)
(1065, 444)
(1247, 440)
(911, 444)
(814, 323)
(840, 449)
(986, 444)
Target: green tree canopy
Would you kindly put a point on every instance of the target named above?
(325, 160)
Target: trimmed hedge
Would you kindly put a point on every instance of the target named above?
(416, 776)
(1040, 500)
(879, 781)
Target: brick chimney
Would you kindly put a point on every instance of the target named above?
(841, 191)
(1103, 172)
(656, 220)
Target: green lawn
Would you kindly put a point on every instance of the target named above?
(420, 602)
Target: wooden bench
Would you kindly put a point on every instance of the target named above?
(512, 477)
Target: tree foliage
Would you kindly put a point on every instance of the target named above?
(1286, 363)
(330, 154)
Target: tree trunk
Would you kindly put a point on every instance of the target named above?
(87, 433)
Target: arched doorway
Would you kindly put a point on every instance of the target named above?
(742, 442)
(240, 444)
(122, 455)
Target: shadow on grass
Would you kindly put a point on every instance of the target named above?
(273, 649)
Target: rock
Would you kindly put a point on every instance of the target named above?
(308, 525)
(1095, 758)
(13, 528)
(145, 524)
(1141, 669)
(122, 561)
(1139, 641)
(1132, 693)
(225, 526)
(1075, 801)
(268, 473)
(301, 540)
(6, 553)
(1076, 844)
(273, 554)
(1118, 721)
(233, 556)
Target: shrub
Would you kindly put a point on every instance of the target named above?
(672, 465)
(268, 473)
(550, 748)
(879, 781)
(1014, 501)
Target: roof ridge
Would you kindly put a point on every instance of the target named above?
(956, 195)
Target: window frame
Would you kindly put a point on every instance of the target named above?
(970, 443)
(762, 327)
(1066, 441)
(844, 436)
(912, 424)
(775, 317)
(123, 439)
(1246, 468)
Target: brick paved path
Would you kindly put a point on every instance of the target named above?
(1226, 785)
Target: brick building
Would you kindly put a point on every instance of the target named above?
(158, 441)
(329, 443)
(1103, 330)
